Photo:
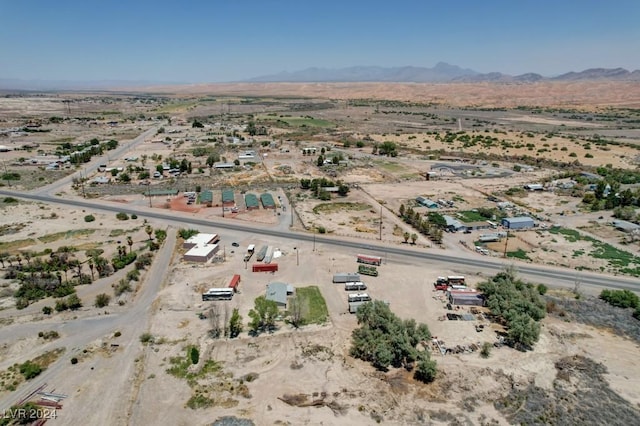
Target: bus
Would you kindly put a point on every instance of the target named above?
(218, 294)
(369, 260)
(358, 297)
(455, 279)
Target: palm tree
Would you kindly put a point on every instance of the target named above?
(130, 242)
(149, 230)
(91, 266)
(406, 236)
(3, 257)
(414, 237)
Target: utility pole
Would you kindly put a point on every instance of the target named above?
(314, 240)
(506, 241)
(6, 174)
(149, 193)
(380, 223)
(82, 182)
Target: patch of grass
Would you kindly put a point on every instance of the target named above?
(334, 207)
(311, 297)
(571, 235)
(617, 259)
(16, 244)
(180, 366)
(117, 232)
(471, 216)
(518, 254)
(49, 238)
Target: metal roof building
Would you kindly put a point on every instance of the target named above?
(624, 225)
(251, 201)
(206, 197)
(267, 201)
(228, 197)
(202, 253)
(519, 222)
(278, 293)
(426, 202)
(453, 223)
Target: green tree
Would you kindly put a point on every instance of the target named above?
(235, 324)
(388, 148)
(343, 190)
(263, 315)
(406, 236)
(194, 355)
(197, 125)
(426, 370)
(320, 161)
(251, 128)
(414, 237)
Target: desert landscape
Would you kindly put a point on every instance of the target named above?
(507, 192)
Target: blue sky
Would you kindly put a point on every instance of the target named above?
(213, 41)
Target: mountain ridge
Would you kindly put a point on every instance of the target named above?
(442, 72)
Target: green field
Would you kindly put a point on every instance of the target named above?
(390, 166)
(316, 312)
(49, 238)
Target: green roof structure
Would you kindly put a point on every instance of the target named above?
(267, 201)
(251, 201)
(206, 196)
(228, 196)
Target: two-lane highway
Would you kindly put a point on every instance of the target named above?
(554, 276)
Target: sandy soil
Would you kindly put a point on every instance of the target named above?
(463, 94)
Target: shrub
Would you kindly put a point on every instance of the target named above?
(117, 334)
(146, 338)
(47, 310)
(620, 298)
(102, 300)
(30, 370)
(74, 360)
(134, 216)
(89, 218)
(22, 303)
(61, 305)
(426, 370)
(542, 289)
(122, 216)
(485, 352)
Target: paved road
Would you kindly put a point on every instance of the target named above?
(92, 166)
(560, 277)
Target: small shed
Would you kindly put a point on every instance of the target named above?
(251, 201)
(278, 292)
(519, 222)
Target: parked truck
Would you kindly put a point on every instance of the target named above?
(345, 277)
(368, 270)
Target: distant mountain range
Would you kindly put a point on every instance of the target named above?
(441, 73)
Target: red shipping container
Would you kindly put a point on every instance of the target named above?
(265, 267)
